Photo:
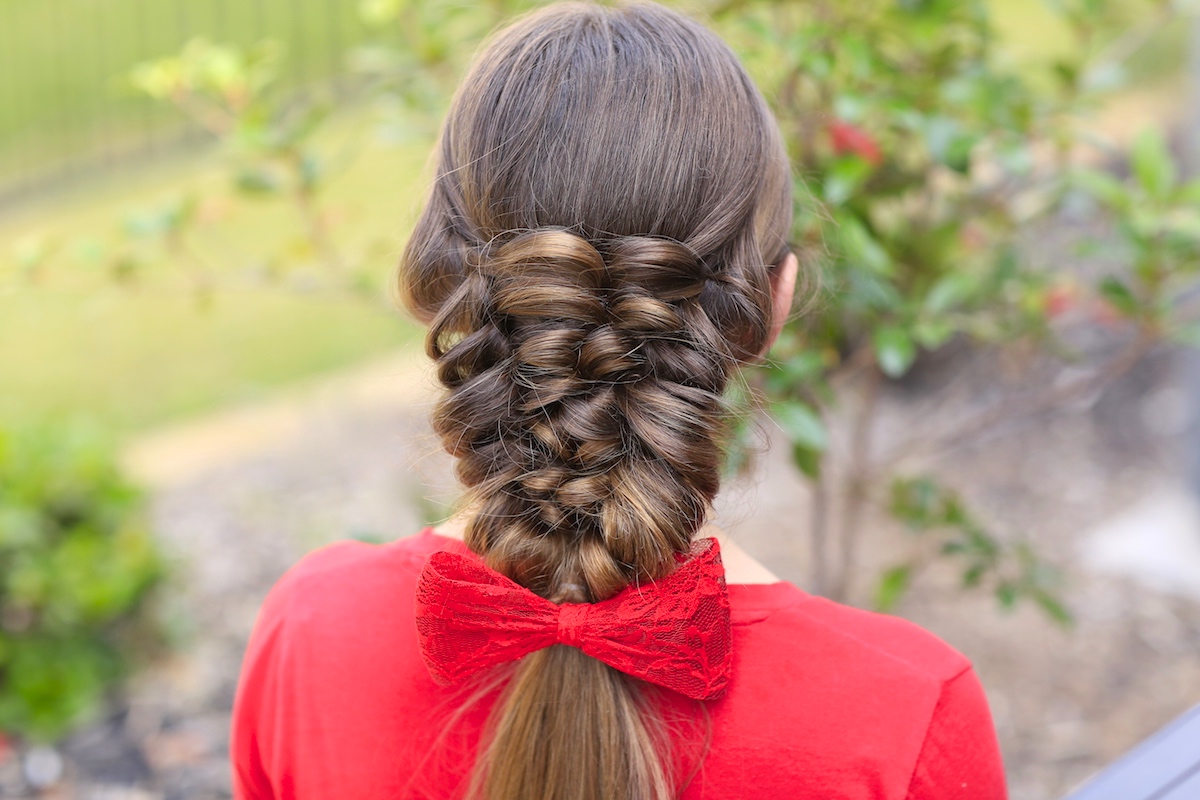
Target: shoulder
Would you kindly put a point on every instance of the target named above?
(823, 690)
(335, 612)
(345, 600)
(794, 624)
(826, 660)
(930, 705)
(312, 661)
(891, 642)
(346, 573)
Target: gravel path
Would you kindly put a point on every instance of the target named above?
(240, 497)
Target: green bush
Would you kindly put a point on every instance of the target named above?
(924, 160)
(78, 567)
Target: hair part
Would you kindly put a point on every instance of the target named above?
(593, 262)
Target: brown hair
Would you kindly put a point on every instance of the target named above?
(593, 263)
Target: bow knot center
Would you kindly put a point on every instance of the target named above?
(571, 619)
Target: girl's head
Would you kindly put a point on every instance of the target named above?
(595, 259)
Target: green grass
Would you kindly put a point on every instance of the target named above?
(137, 361)
(77, 342)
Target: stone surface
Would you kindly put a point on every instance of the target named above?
(1155, 542)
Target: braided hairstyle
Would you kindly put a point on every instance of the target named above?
(593, 263)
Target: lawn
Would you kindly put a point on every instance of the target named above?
(78, 342)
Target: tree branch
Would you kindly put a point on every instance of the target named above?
(857, 483)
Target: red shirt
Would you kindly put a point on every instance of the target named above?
(826, 702)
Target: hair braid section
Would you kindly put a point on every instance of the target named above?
(592, 261)
(583, 406)
(584, 410)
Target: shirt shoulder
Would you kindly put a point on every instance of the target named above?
(894, 642)
(312, 664)
(823, 691)
(350, 570)
(796, 620)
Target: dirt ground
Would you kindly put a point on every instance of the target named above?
(240, 497)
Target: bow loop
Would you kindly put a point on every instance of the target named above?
(674, 632)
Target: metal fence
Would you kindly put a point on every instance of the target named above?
(67, 109)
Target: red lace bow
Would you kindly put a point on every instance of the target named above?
(674, 632)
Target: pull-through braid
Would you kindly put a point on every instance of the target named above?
(584, 406)
(609, 191)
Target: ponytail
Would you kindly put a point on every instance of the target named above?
(585, 333)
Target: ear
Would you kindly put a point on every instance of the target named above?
(783, 291)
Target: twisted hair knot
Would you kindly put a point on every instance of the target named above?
(585, 405)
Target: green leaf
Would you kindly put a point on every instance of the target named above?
(940, 132)
(953, 512)
(801, 423)
(168, 218)
(158, 79)
(948, 143)
(807, 460)
(1152, 164)
(949, 291)
(1067, 72)
(1104, 188)
(797, 369)
(257, 181)
(894, 350)
(1119, 295)
(981, 544)
(892, 587)
(1184, 224)
(844, 178)
(1189, 193)
(932, 333)
(957, 155)
(861, 247)
(915, 502)
(849, 107)
(1054, 608)
(973, 575)
(867, 290)
(379, 12)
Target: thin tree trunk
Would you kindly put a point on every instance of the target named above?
(857, 484)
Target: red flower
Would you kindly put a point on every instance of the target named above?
(849, 138)
(1058, 300)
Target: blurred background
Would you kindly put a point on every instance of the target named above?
(984, 417)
